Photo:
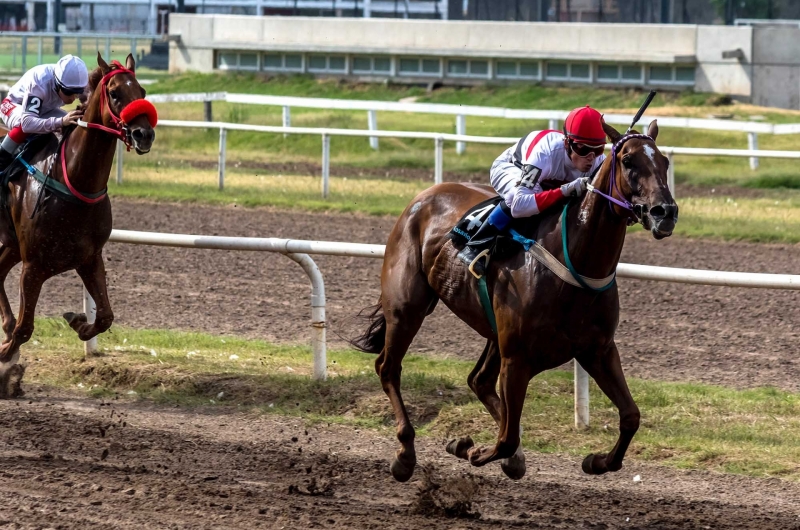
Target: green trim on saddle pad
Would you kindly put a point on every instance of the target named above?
(486, 303)
(568, 262)
(56, 187)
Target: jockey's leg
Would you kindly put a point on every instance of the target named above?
(484, 238)
(9, 145)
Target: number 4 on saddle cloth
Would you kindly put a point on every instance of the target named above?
(478, 239)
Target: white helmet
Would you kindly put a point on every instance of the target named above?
(71, 74)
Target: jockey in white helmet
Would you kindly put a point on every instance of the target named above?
(537, 172)
(33, 105)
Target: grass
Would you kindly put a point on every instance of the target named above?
(754, 432)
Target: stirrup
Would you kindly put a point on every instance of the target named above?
(483, 253)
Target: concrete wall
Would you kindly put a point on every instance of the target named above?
(777, 67)
(728, 76)
(611, 42)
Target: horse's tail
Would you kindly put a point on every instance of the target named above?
(374, 338)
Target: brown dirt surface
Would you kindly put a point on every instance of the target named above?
(71, 462)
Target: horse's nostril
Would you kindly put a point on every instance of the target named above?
(137, 134)
(658, 212)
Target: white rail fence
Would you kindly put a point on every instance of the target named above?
(438, 141)
(554, 117)
(300, 251)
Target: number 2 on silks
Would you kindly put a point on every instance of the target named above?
(477, 217)
(34, 105)
(530, 176)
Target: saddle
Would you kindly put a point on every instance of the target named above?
(517, 236)
(38, 153)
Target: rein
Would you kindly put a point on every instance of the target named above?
(120, 131)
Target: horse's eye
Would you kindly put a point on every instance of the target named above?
(113, 94)
(627, 162)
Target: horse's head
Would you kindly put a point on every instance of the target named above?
(641, 177)
(121, 102)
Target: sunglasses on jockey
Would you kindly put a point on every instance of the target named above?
(67, 91)
(585, 149)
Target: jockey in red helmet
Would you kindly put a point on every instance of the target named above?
(537, 172)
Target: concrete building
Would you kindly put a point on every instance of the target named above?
(759, 64)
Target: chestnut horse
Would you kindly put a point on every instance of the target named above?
(55, 232)
(542, 321)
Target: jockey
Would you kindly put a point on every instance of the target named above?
(33, 105)
(537, 172)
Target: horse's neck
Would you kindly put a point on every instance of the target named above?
(89, 154)
(596, 234)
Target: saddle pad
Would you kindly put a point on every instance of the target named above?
(472, 220)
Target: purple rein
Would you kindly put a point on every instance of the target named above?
(612, 186)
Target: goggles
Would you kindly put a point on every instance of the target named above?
(68, 91)
(585, 149)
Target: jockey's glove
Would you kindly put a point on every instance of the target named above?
(576, 188)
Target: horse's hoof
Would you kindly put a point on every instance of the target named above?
(514, 469)
(460, 446)
(400, 471)
(74, 318)
(590, 468)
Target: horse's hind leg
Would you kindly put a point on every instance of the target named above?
(483, 382)
(9, 257)
(606, 370)
(406, 302)
(93, 275)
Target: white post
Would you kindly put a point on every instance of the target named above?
(317, 314)
(671, 174)
(372, 120)
(90, 310)
(581, 397)
(461, 128)
(223, 142)
(50, 18)
(152, 21)
(367, 8)
(120, 151)
(553, 125)
(439, 161)
(326, 164)
(30, 8)
(287, 118)
(752, 144)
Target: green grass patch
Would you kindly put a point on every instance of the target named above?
(753, 432)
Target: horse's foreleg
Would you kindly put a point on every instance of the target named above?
(515, 374)
(9, 257)
(93, 275)
(606, 370)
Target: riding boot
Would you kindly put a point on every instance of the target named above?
(476, 252)
(5, 160)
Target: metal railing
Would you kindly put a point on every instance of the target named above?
(300, 251)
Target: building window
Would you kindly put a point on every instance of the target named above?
(529, 70)
(569, 71)
(579, 71)
(672, 75)
(557, 71)
(467, 68)
(237, 61)
(327, 64)
(372, 65)
(281, 62)
(612, 73)
(507, 69)
(517, 70)
(409, 66)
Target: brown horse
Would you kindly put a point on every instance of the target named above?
(542, 322)
(53, 233)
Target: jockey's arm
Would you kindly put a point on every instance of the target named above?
(532, 201)
(32, 121)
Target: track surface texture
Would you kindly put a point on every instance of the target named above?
(729, 336)
(81, 463)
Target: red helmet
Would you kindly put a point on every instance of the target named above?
(584, 125)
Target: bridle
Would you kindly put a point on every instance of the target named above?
(635, 209)
(121, 131)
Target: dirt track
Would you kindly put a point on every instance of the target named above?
(737, 337)
(70, 462)
(78, 463)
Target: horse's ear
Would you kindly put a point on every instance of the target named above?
(610, 131)
(652, 130)
(102, 64)
(130, 64)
